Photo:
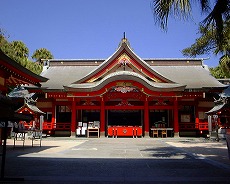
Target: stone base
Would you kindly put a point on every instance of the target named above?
(73, 134)
(102, 134)
(176, 134)
(146, 134)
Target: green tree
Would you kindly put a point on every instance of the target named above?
(214, 28)
(225, 65)
(216, 13)
(4, 44)
(218, 72)
(18, 51)
(42, 53)
(207, 44)
(3, 40)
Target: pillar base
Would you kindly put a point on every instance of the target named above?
(176, 134)
(72, 134)
(146, 134)
(102, 134)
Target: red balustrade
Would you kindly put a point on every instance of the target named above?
(193, 126)
(56, 126)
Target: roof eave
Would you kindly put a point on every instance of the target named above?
(24, 70)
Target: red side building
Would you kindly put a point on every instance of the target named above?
(13, 74)
(127, 94)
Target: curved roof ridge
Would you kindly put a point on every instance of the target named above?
(125, 75)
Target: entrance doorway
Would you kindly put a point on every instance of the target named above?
(124, 118)
(90, 116)
(159, 118)
(124, 123)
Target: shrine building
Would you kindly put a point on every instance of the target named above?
(126, 95)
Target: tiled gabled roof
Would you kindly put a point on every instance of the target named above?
(180, 71)
(194, 77)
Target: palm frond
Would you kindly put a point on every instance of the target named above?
(225, 64)
(203, 45)
(163, 8)
(205, 5)
(216, 17)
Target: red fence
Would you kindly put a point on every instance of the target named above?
(194, 126)
(56, 126)
(183, 126)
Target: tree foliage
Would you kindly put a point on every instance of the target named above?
(214, 29)
(3, 40)
(203, 45)
(218, 72)
(207, 44)
(19, 48)
(18, 51)
(42, 53)
(216, 14)
(225, 65)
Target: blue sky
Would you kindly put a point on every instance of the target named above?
(81, 29)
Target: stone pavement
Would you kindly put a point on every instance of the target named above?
(119, 160)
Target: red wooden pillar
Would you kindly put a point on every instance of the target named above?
(102, 117)
(53, 121)
(73, 118)
(197, 121)
(146, 117)
(175, 114)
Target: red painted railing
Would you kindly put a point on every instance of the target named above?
(182, 126)
(47, 126)
(194, 126)
(56, 126)
(203, 126)
(62, 126)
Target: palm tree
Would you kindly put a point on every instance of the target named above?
(42, 53)
(19, 49)
(207, 44)
(216, 15)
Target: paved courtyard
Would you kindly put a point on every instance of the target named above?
(119, 160)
